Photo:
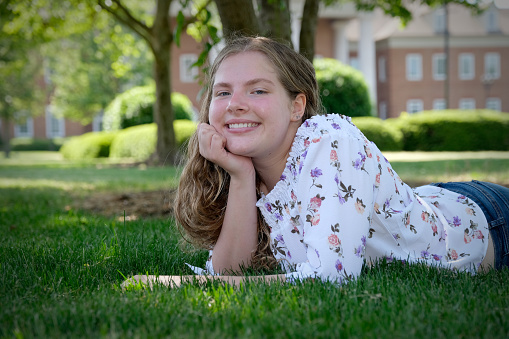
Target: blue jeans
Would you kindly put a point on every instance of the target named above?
(494, 202)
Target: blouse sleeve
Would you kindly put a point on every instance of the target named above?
(209, 269)
(337, 187)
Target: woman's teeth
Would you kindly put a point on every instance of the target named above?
(243, 125)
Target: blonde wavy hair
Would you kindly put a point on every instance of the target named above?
(202, 195)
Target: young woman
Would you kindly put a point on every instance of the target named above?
(271, 181)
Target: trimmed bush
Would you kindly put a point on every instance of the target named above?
(30, 144)
(182, 106)
(184, 129)
(342, 88)
(455, 130)
(88, 146)
(135, 107)
(384, 134)
(139, 142)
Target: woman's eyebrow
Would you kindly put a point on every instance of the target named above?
(258, 80)
(248, 83)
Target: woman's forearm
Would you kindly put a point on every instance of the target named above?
(238, 239)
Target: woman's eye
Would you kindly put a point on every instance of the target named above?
(222, 94)
(259, 91)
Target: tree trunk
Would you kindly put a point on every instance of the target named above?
(162, 38)
(6, 138)
(166, 148)
(308, 29)
(237, 17)
(275, 20)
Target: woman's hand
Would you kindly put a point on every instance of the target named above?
(212, 147)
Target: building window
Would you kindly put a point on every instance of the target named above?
(97, 123)
(354, 62)
(467, 103)
(439, 21)
(491, 20)
(439, 104)
(494, 104)
(188, 73)
(24, 128)
(414, 67)
(466, 66)
(382, 110)
(414, 106)
(492, 65)
(439, 70)
(55, 127)
(382, 75)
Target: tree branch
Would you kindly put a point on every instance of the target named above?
(122, 14)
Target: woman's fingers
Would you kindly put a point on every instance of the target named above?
(211, 143)
(212, 147)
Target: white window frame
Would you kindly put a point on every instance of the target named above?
(188, 74)
(495, 103)
(466, 61)
(19, 132)
(437, 58)
(492, 65)
(354, 62)
(466, 103)
(382, 69)
(60, 124)
(411, 60)
(382, 110)
(439, 104)
(439, 20)
(414, 103)
(491, 21)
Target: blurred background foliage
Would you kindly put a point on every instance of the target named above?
(135, 107)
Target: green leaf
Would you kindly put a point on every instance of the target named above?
(180, 26)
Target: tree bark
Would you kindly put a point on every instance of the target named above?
(159, 37)
(275, 20)
(308, 29)
(238, 17)
(161, 40)
(6, 138)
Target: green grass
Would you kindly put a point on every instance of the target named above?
(60, 272)
(419, 168)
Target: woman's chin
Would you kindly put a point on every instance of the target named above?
(239, 151)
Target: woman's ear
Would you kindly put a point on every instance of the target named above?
(298, 107)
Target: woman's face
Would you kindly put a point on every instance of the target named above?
(251, 108)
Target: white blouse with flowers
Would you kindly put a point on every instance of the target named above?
(339, 202)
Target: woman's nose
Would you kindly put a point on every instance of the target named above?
(237, 103)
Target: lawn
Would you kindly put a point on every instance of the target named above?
(62, 265)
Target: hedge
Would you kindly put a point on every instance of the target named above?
(343, 89)
(454, 130)
(383, 133)
(31, 144)
(135, 107)
(447, 130)
(139, 142)
(88, 146)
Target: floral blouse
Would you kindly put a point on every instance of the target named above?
(339, 203)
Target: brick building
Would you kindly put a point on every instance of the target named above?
(405, 68)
